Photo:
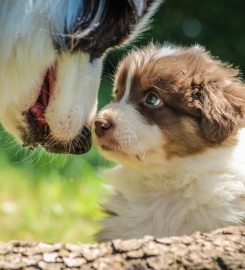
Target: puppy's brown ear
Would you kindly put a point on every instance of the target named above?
(222, 107)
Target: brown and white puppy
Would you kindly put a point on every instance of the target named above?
(176, 128)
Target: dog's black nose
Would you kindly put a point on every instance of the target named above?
(102, 126)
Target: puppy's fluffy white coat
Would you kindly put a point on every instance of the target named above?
(197, 194)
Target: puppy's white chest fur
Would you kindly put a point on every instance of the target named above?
(195, 193)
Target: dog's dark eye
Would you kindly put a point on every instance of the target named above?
(152, 100)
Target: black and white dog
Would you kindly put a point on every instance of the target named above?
(51, 61)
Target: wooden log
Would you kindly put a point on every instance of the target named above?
(221, 249)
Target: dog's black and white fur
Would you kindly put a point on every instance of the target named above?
(50, 65)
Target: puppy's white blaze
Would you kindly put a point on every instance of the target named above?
(134, 64)
(130, 74)
(74, 101)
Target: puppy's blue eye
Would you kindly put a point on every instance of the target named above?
(152, 100)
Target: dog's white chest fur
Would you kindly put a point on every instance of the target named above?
(195, 193)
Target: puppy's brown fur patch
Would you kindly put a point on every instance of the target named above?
(204, 99)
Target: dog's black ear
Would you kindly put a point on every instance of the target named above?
(222, 108)
(103, 24)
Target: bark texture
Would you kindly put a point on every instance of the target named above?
(221, 249)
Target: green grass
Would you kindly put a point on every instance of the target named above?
(58, 201)
(53, 198)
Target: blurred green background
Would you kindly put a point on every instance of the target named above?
(56, 198)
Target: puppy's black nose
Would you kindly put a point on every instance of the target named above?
(102, 126)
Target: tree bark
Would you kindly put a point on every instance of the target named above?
(221, 249)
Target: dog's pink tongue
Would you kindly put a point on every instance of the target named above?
(38, 111)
